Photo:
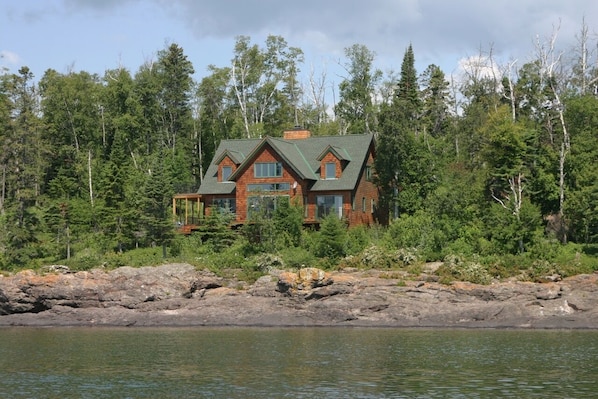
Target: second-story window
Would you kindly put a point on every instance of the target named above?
(330, 170)
(226, 172)
(267, 169)
(368, 173)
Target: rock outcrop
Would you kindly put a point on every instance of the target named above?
(179, 295)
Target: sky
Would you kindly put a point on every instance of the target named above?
(98, 35)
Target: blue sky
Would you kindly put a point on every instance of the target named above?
(96, 35)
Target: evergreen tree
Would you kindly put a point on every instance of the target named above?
(582, 174)
(436, 99)
(215, 230)
(405, 171)
(23, 165)
(332, 242)
(288, 220)
(156, 196)
(408, 97)
(175, 76)
(117, 212)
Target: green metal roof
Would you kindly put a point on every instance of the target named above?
(301, 155)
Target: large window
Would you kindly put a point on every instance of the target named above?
(269, 187)
(225, 205)
(330, 170)
(267, 169)
(226, 172)
(327, 204)
(265, 204)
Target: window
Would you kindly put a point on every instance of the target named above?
(327, 204)
(368, 173)
(373, 206)
(363, 204)
(267, 169)
(330, 170)
(269, 187)
(226, 172)
(306, 208)
(225, 205)
(266, 204)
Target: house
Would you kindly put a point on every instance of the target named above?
(324, 174)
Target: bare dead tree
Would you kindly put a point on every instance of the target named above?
(317, 94)
(582, 65)
(507, 73)
(551, 73)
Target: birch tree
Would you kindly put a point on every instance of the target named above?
(259, 76)
(552, 76)
(355, 107)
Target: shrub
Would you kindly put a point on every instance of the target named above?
(297, 257)
(357, 239)
(268, 262)
(455, 267)
(416, 231)
(332, 238)
(375, 257)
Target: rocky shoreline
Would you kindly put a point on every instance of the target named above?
(179, 295)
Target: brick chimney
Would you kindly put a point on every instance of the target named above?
(298, 133)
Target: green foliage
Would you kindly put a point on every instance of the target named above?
(269, 230)
(332, 238)
(456, 268)
(89, 163)
(288, 222)
(157, 194)
(260, 230)
(510, 233)
(215, 231)
(417, 231)
(355, 108)
(358, 238)
(298, 257)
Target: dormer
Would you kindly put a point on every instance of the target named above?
(227, 163)
(333, 161)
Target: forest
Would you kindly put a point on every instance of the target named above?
(493, 173)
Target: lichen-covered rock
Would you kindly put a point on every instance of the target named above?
(179, 295)
(303, 281)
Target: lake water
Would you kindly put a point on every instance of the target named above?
(296, 363)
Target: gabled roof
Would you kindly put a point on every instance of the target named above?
(288, 151)
(340, 153)
(302, 156)
(236, 156)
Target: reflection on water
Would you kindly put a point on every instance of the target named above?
(296, 363)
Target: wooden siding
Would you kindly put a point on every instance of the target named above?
(226, 162)
(247, 177)
(330, 158)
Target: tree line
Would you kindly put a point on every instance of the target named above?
(501, 161)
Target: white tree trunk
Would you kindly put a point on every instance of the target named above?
(90, 178)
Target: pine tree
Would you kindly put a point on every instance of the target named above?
(23, 164)
(404, 167)
(333, 238)
(156, 196)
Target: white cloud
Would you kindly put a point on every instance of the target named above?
(9, 57)
(442, 32)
